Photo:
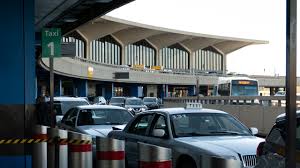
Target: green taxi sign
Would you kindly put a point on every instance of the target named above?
(51, 42)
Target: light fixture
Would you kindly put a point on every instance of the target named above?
(103, 1)
(70, 20)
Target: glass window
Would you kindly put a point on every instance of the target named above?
(141, 125)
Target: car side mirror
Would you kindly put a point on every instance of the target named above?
(254, 130)
(159, 133)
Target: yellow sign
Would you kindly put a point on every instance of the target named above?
(90, 72)
(244, 82)
(156, 67)
(138, 66)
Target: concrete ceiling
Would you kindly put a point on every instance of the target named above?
(127, 32)
(69, 14)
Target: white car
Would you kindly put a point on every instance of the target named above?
(198, 137)
(95, 120)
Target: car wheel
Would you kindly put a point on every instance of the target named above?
(187, 163)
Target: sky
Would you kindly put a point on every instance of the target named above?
(250, 19)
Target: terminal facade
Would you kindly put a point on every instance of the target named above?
(160, 62)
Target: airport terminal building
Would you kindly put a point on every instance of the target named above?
(115, 57)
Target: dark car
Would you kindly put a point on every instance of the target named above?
(117, 101)
(135, 105)
(271, 152)
(151, 102)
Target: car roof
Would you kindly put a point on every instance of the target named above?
(133, 98)
(281, 117)
(118, 97)
(172, 111)
(69, 99)
(100, 107)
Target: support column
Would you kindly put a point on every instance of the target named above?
(192, 60)
(224, 63)
(122, 55)
(17, 87)
(158, 57)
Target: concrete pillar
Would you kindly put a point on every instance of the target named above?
(192, 60)
(224, 63)
(122, 55)
(17, 86)
(158, 56)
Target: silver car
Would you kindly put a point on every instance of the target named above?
(95, 120)
(196, 136)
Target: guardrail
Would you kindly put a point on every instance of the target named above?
(277, 101)
(253, 111)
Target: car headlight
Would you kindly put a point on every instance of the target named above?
(130, 109)
(143, 109)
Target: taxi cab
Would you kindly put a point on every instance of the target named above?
(197, 136)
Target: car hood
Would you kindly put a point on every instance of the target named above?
(99, 130)
(224, 145)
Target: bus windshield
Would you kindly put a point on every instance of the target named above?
(244, 88)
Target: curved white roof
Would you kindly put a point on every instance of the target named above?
(128, 32)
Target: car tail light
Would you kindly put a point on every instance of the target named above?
(260, 148)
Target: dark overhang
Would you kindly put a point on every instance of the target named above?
(69, 14)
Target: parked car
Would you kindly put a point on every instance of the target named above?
(271, 152)
(100, 100)
(195, 136)
(63, 104)
(135, 105)
(95, 120)
(151, 102)
(117, 101)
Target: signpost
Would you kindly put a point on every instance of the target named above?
(51, 47)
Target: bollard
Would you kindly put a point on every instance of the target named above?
(57, 154)
(80, 150)
(39, 156)
(110, 153)
(152, 156)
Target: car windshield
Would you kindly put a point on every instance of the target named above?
(133, 102)
(151, 100)
(206, 124)
(103, 117)
(117, 100)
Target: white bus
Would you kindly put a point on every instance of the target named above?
(236, 86)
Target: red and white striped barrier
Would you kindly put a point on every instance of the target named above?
(110, 153)
(152, 156)
(80, 150)
(57, 151)
(39, 157)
